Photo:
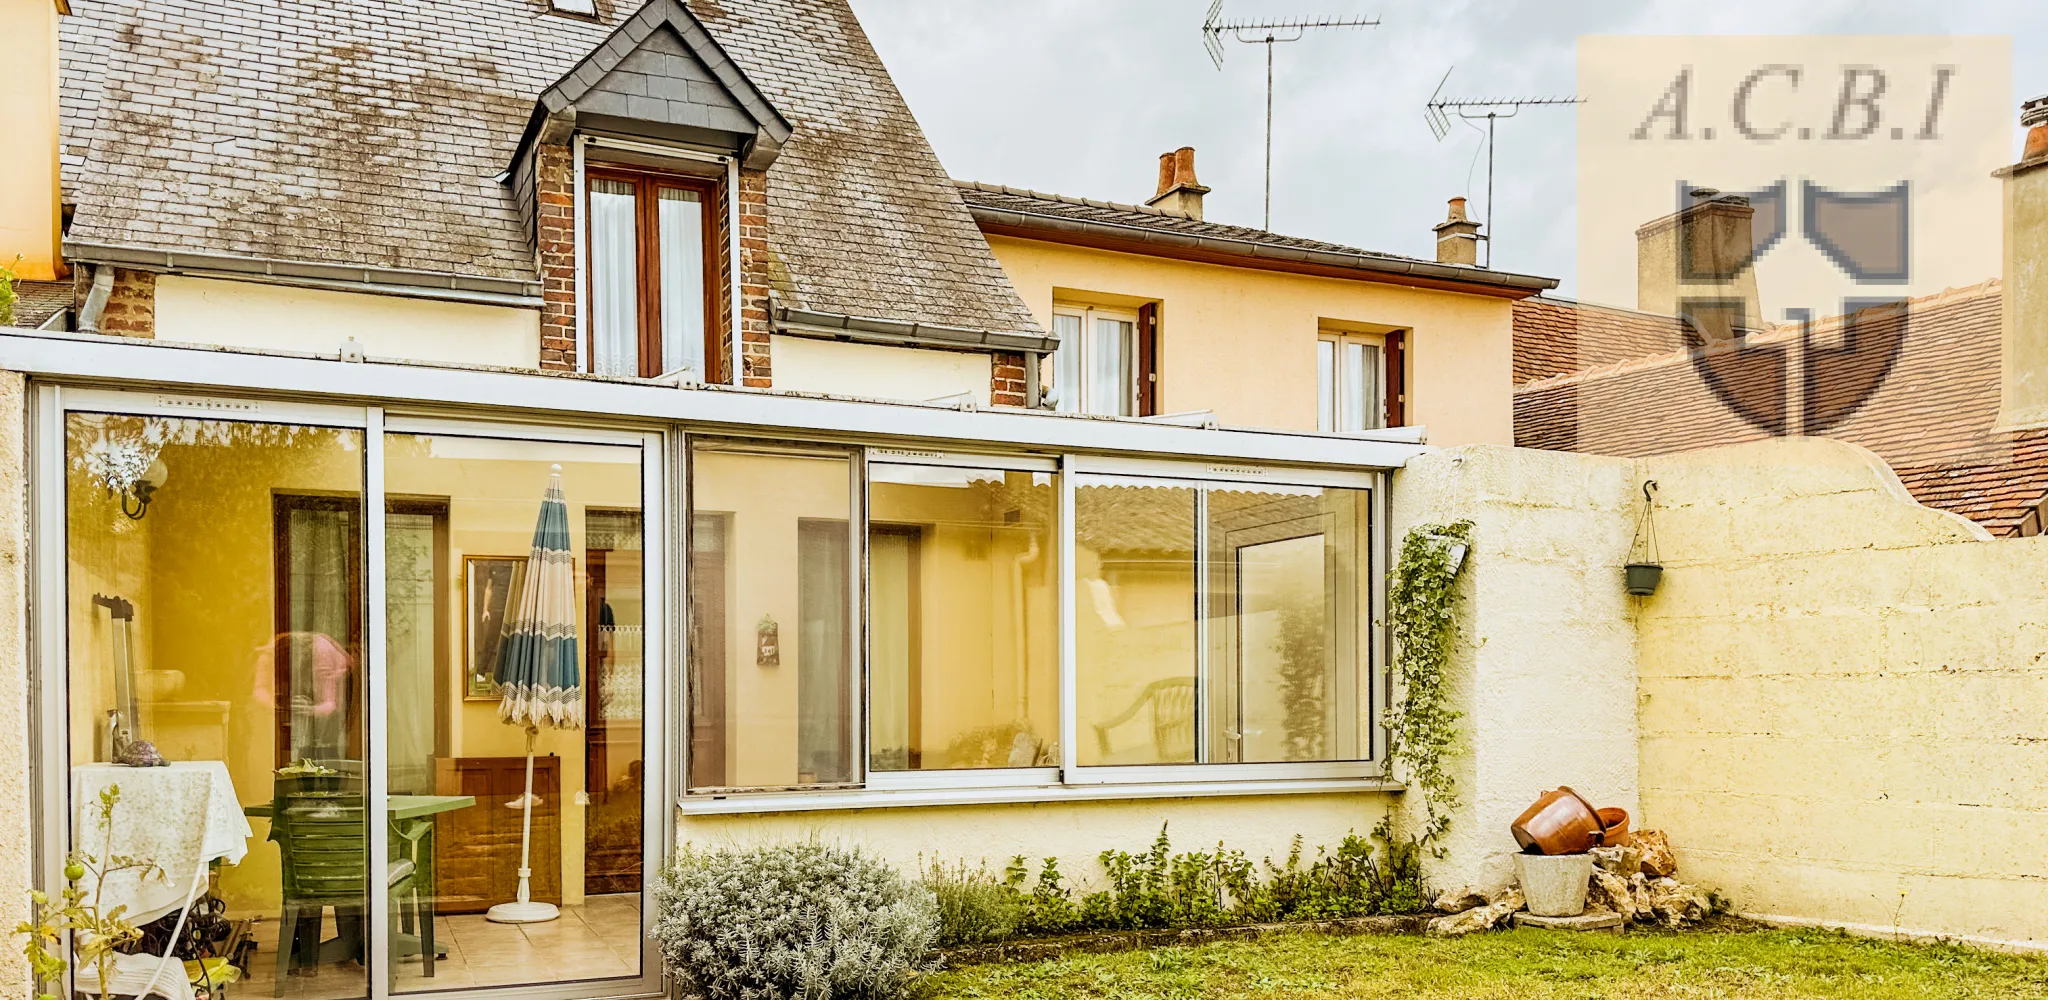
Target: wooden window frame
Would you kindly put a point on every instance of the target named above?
(647, 185)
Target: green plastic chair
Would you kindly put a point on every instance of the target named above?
(318, 825)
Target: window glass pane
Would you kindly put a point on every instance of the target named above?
(1066, 380)
(1352, 417)
(614, 279)
(1326, 385)
(682, 280)
(1134, 620)
(1372, 380)
(1109, 369)
(493, 577)
(215, 609)
(1285, 615)
(771, 619)
(963, 621)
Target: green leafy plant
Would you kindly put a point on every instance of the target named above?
(792, 920)
(8, 276)
(975, 906)
(1049, 905)
(96, 934)
(1423, 727)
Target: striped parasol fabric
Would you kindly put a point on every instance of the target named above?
(537, 670)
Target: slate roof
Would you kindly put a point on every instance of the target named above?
(1934, 419)
(998, 203)
(36, 301)
(372, 133)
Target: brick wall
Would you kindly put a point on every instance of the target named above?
(1006, 374)
(131, 305)
(555, 231)
(755, 367)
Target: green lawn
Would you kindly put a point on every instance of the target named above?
(1732, 962)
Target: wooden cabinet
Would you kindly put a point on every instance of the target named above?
(476, 850)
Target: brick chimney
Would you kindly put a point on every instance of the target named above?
(2024, 401)
(1457, 237)
(1178, 189)
(1701, 254)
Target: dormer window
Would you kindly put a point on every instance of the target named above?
(652, 276)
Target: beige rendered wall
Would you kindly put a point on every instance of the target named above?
(873, 371)
(285, 318)
(28, 118)
(1243, 342)
(1844, 697)
(1543, 663)
(17, 795)
(2025, 318)
(1073, 832)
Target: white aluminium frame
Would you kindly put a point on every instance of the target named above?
(49, 406)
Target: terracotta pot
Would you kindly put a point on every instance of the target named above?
(1613, 825)
(1559, 822)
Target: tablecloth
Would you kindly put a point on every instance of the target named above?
(180, 816)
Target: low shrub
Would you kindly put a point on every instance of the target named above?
(1160, 888)
(975, 907)
(798, 920)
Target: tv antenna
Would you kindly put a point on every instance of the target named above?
(1268, 33)
(1438, 113)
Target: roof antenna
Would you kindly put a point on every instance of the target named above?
(1492, 109)
(1266, 33)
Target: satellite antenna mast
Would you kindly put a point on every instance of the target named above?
(1267, 33)
(1438, 113)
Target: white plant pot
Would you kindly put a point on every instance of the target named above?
(1554, 885)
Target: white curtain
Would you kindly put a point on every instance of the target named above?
(682, 280)
(614, 280)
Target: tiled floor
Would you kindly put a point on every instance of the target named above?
(597, 939)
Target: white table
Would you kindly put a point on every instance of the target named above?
(183, 817)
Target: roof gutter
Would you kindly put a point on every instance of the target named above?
(808, 323)
(334, 277)
(1248, 253)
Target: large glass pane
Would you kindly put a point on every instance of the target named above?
(771, 618)
(614, 278)
(681, 218)
(1109, 389)
(468, 604)
(963, 657)
(215, 610)
(1285, 611)
(1134, 620)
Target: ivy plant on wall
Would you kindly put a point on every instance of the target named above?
(1423, 727)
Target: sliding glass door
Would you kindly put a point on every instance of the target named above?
(405, 675)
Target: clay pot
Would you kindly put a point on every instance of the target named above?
(1613, 825)
(1562, 822)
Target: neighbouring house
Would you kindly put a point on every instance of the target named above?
(1159, 311)
(1943, 387)
(345, 290)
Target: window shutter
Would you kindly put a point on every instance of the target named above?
(1148, 359)
(1396, 355)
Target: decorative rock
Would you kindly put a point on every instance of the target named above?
(1510, 897)
(1477, 919)
(1610, 891)
(1639, 898)
(1459, 900)
(1658, 861)
(1623, 860)
(1678, 904)
(1591, 920)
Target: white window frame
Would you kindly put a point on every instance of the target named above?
(1070, 362)
(1332, 420)
(526, 404)
(50, 625)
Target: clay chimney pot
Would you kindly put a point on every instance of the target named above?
(1179, 191)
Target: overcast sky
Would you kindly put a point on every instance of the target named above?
(1081, 96)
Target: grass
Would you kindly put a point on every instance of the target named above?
(1727, 962)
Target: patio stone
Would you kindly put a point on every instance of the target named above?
(1591, 920)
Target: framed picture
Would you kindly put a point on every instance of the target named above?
(491, 585)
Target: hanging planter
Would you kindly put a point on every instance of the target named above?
(1644, 572)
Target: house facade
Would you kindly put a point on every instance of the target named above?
(1163, 312)
(344, 293)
